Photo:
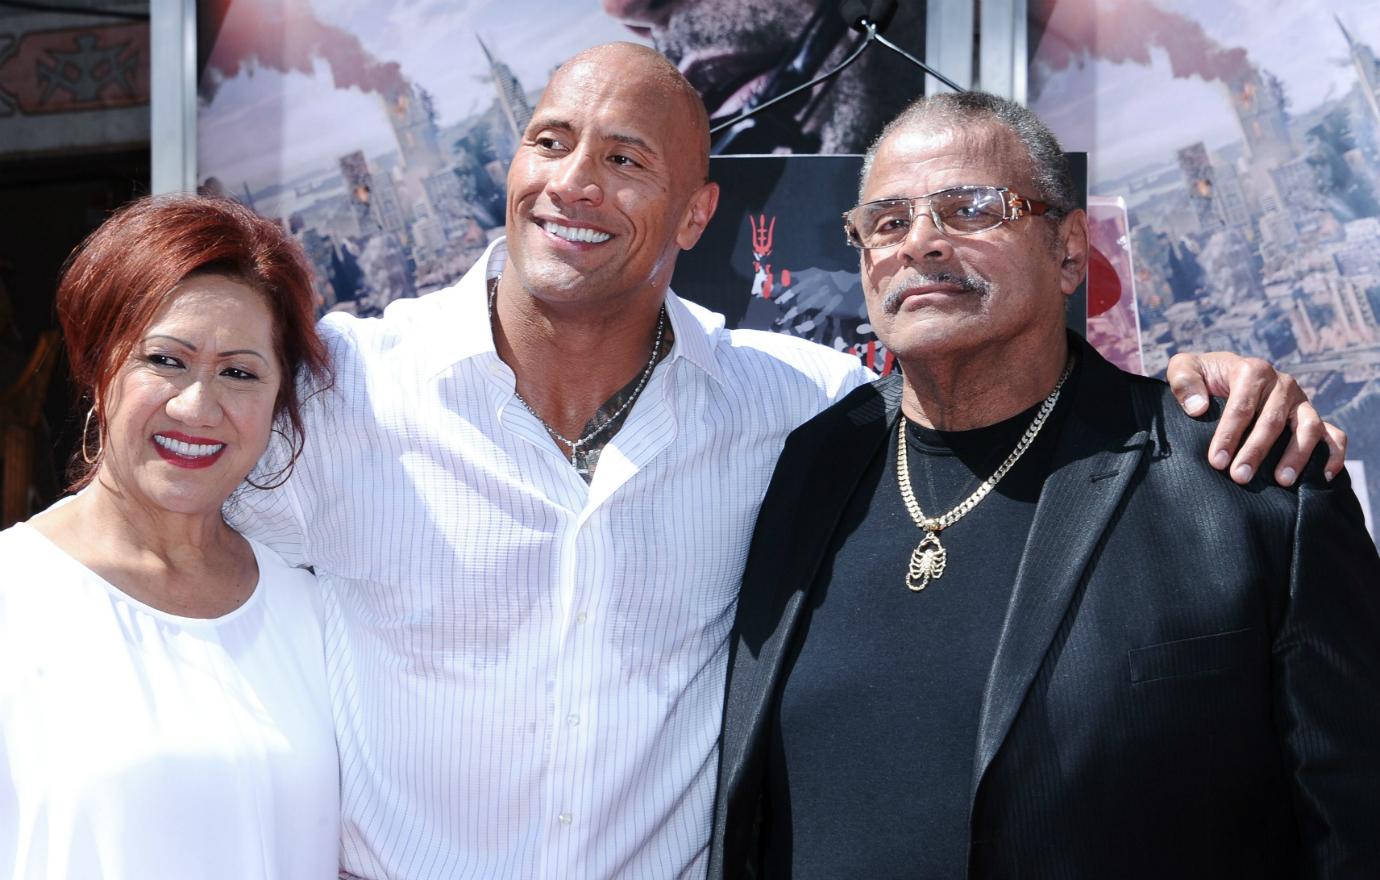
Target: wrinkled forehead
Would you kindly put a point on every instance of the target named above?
(933, 154)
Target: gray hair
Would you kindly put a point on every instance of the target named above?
(1049, 166)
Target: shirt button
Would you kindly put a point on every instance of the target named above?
(565, 818)
(581, 617)
(572, 720)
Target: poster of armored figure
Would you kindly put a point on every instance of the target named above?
(379, 131)
(1243, 138)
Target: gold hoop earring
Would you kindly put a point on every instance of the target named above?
(100, 443)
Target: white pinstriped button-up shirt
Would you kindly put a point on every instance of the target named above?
(527, 671)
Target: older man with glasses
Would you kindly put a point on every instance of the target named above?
(1000, 618)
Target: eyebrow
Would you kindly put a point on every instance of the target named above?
(631, 140)
(190, 347)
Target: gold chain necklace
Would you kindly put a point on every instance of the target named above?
(929, 559)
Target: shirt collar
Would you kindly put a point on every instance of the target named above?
(698, 331)
(462, 329)
(470, 332)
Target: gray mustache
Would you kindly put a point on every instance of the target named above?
(967, 283)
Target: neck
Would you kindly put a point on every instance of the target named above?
(117, 521)
(192, 565)
(567, 360)
(967, 390)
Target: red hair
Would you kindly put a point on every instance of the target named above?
(116, 281)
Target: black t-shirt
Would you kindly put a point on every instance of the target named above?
(874, 732)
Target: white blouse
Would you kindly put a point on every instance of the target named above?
(138, 744)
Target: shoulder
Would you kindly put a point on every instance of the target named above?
(737, 350)
(1180, 442)
(16, 540)
(23, 552)
(38, 581)
(423, 333)
(350, 337)
(777, 363)
(378, 362)
(20, 559)
(865, 410)
(286, 585)
(799, 354)
(776, 379)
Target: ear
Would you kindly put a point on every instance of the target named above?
(697, 214)
(1073, 250)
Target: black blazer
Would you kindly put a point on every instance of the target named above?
(1187, 682)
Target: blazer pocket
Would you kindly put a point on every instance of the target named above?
(1193, 656)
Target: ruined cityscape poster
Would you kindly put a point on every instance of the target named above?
(380, 132)
(1243, 137)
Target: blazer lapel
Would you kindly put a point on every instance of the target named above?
(782, 565)
(1099, 450)
(843, 456)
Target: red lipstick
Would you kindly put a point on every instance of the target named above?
(178, 459)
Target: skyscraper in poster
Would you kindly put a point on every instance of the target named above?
(1258, 98)
(413, 118)
(511, 99)
(1367, 71)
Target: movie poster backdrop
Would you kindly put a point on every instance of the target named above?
(380, 131)
(1243, 139)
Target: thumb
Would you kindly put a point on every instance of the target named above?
(1186, 379)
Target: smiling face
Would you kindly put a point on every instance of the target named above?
(1001, 291)
(191, 411)
(608, 184)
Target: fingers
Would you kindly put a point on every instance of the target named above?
(1336, 444)
(1185, 377)
(1261, 403)
(1284, 404)
(1309, 429)
(1252, 383)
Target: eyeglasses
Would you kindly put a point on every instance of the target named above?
(958, 210)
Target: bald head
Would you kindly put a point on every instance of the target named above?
(661, 82)
(609, 183)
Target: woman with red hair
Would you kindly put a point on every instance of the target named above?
(163, 700)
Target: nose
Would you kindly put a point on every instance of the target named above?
(196, 403)
(575, 179)
(924, 241)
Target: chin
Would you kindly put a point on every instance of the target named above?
(924, 332)
(550, 279)
(190, 500)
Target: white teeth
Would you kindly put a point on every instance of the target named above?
(188, 450)
(576, 233)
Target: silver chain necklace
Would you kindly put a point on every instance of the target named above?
(929, 559)
(613, 419)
